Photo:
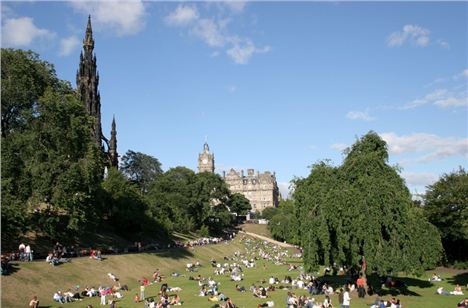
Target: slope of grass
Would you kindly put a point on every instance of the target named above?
(257, 229)
(39, 278)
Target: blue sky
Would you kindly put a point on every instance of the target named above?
(274, 86)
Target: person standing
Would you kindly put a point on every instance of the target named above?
(142, 292)
(102, 293)
(346, 298)
(21, 249)
(27, 253)
(361, 283)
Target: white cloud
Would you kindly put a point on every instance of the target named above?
(214, 32)
(434, 146)
(443, 44)
(182, 16)
(210, 32)
(451, 101)
(339, 146)
(462, 75)
(419, 178)
(234, 5)
(68, 45)
(410, 33)
(21, 32)
(359, 115)
(241, 52)
(123, 17)
(441, 98)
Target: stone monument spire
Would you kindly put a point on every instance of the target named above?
(113, 155)
(87, 82)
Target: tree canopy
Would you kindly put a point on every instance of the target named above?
(50, 166)
(446, 206)
(141, 168)
(363, 208)
(186, 201)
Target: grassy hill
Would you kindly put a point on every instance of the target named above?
(257, 229)
(41, 279)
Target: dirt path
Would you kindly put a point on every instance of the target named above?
(285, 245)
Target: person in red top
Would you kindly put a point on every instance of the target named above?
(361, 283)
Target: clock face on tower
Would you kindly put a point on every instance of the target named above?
(205, 161)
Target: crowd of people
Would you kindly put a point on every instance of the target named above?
(301, 289)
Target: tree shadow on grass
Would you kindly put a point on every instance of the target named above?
(175, 253)
(401, 287)
(12, 268)
(461, 279)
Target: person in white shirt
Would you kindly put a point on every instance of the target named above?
(346, 298)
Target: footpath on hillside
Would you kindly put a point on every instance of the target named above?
(281, 244)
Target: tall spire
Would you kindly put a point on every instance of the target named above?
(88, 42)
(87, 82)
(113, 155)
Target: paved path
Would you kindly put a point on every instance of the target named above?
(285, 245)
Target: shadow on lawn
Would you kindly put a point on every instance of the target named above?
(175, 253)
(461, 279)
(12, 268)
(401, 285)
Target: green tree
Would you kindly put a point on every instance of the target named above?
(185, 201)
(141, 168)
(124, 205)
(363, 208)
(446, 206)
(50, 171)
(269, 212)
(281, 224)
(24, 79)
(239, 204)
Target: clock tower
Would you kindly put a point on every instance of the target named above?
(206, 160)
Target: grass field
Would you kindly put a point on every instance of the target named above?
(41, 279)
(257, 229)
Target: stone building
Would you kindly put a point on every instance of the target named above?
(87, 85)
(260, 188)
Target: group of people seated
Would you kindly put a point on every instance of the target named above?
(456, 291)
(54, 259)
(66, 297)
(392, 303)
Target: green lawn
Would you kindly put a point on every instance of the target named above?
(39, 278)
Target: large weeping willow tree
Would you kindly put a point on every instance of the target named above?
(363, 208)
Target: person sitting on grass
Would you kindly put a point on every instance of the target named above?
(240, 289)
(34, 303)
(58, 297)
(327, 302)
(457, 290)
(112, 276)
(463, 303)
(202, 292)
(52, 259)
(441, 291)
(175, 300)
(435, 277)
(266, 304)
